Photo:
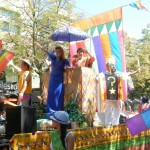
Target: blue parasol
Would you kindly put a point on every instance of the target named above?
(69, 34)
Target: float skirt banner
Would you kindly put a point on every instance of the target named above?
(5, 57)
(28, 141)
(110, 138)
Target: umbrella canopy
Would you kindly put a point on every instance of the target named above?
(69, 34)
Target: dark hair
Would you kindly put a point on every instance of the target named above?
(63, 133)
(26, 64)
(80, 49)
(145, 99)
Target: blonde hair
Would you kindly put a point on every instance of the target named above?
(111, 60)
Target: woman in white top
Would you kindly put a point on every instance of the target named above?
(60, 121)
(82, 59)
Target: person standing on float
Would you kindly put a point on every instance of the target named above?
(111, 90)
(55, 99)
(24, 82)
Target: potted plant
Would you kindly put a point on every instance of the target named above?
(76, 117)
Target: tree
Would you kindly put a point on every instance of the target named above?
(36, 22)
(144, 55)
(139, 49)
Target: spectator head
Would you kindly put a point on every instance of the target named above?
(145, 99)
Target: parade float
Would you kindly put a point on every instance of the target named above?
(83, 87)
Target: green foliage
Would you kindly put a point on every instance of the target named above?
(35, 21)
(139, 49)
(74, 112)
(41, 109)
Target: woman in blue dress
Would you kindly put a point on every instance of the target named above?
(55, 99)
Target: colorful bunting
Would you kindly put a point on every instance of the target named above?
(5, 57)
(139, 123)
(138, 5)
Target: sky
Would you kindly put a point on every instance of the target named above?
(133, 20)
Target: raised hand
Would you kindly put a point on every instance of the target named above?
(38, 45)
(11, 63)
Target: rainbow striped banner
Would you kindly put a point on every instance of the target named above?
(5, 57)
(138, 5)
(107, 39)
